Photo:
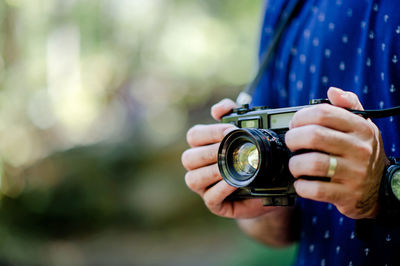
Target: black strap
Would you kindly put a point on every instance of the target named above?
(286, 16)
(378, 113)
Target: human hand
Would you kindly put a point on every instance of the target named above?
(356, 144)
(203, 175)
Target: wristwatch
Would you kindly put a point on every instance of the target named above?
(389, 202)
(393, 178)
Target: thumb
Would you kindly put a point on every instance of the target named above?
(222, 108)
(344, 99)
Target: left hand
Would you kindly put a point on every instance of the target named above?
(356, 144)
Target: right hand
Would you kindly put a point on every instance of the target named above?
(203, 176)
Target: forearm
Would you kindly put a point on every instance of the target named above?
(275, 228)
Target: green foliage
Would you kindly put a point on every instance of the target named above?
(254, 254)
(96, 97)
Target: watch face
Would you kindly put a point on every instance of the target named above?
(395, 183)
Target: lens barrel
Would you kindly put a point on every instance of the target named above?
(250, 157)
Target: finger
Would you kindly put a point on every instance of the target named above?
(314, 137)
(200, 135)
(215, 196)
(345, 99)
(328, 116)
(314, 164)
(200, 156)
(199, 180)
(321, 191)
(222, 108)
(242, 208)
(318, 164)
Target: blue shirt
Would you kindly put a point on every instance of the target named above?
(353, 45)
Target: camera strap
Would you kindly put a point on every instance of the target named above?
(287, 15)
(377, 113)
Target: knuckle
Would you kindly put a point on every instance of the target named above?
(317, 166)
(351, 94)
(213, 172)
(319, 192)
(217, 133)
(365, 150)
(322, 111)
(353, 99)
(367, 129)
(209, 155)
(210, 202)
(316, 136)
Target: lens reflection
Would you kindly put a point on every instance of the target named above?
(245, 159)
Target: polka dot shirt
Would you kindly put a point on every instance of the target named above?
(353, 45)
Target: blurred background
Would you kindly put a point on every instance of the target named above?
(95, 99)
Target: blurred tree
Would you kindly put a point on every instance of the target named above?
(96, 97)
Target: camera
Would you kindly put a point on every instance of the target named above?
(254, 158)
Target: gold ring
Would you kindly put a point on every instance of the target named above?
(332, 166)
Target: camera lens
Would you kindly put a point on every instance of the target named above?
(250, 157)
(245, 159)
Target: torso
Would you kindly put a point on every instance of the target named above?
(353, 45)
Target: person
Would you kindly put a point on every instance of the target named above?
(347, 51)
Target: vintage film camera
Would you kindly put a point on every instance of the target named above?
(254, 158)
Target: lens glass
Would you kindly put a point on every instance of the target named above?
(245, 159)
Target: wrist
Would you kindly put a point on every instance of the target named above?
(274, 228)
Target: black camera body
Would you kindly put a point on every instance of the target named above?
(254, 158)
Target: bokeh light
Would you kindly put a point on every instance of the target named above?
(96, 97)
